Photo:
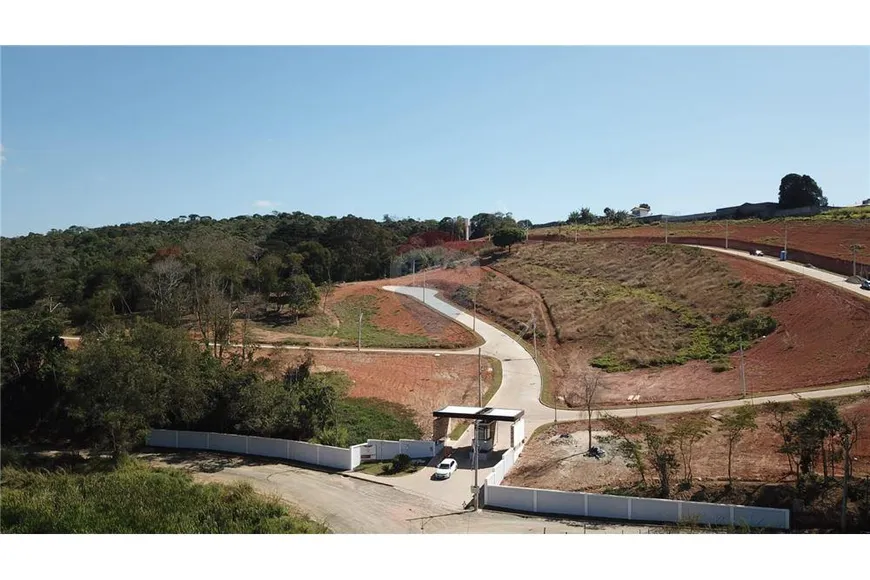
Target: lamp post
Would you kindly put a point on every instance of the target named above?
(475, 451)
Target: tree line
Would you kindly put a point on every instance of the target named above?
(212, 270)
(814, 439)
(120, 383)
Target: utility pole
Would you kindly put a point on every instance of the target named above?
(479, 379)
(474, 320)
(742, 373)
(726, 234)
(474, 447)
(359, 333)
(424, 285)
(535, 337)
(855, 248)
(785, 244)
(666, 229)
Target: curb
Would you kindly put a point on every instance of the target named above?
(351, 475)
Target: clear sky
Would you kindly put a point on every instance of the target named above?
(97, 136)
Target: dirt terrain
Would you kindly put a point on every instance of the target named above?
(551, 461)
(823, 335)
(424, 383)
(824, 237)
(390, 320)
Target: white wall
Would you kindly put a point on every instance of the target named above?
(382, 450)
(593, 505)
(323, 455)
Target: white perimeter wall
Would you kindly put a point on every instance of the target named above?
(382, 450)
(545, 501)
(323, 455)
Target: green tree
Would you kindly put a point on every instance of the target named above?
(661, 455)
(586, 216)
(800, 191)
(574, 217)
(623, 434)
(811, 430)
(686, 433)
(118, 393)
(35, 373)
(300, 294)
(507, 237)
(734, 425)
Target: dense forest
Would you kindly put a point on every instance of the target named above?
(134, 291)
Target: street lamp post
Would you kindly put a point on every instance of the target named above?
(475, 451)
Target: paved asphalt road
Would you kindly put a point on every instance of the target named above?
(348, 505)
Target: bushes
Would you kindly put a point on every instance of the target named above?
(375, 419)
(776, 294)
(135, 499)
(400, 463)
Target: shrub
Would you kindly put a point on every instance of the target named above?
(400, 463)
(775, 294)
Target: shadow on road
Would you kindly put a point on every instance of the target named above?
(214, 461)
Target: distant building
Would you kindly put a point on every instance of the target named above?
(640, 211)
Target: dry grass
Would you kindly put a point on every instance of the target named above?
(630, 304)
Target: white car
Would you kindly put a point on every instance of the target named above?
(445, 469)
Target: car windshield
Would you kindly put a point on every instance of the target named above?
(444, 466)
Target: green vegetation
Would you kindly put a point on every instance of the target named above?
(387, 468)
(367, 418)
(91, 497)
(347, 312)
(776, 294)
(508, 236)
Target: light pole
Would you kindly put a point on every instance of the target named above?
(742, 373)
(726, 234)
(474, 447)
(474, 320)
(535, 337)
(359, 333)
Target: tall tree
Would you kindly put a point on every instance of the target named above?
(686, 433)
(591, 385)
(117, 393)
(780, 413)
(661, 456)
(800, 191)
(623, 433)
(734, 425)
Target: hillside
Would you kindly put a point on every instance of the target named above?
(818, 235)
(664, 312)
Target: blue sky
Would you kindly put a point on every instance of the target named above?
(97, 136)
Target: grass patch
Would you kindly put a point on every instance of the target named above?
(776, 294)
(347, 312)
(384, 469)
(95, 498)
(369, 418)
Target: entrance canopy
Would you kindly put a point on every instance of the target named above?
(490, 413)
